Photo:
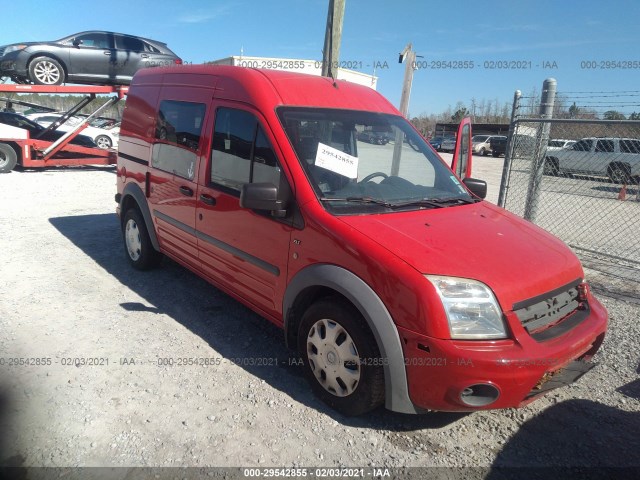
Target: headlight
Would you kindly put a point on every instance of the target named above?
(472, 310)
(14, 48)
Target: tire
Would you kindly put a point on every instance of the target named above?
(495, 154)
(103, 141)
(8, 158)
(46, 71)
(483, 152)
(551, 167)
(620, 174)
(341, 358)
(137, 243)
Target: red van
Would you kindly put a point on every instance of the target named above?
(390, 275)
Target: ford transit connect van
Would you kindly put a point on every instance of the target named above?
(394, 280)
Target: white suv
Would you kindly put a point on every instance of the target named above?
(616, 158)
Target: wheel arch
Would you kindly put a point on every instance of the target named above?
(133, 197)
(318, 281)
(619, 164)
(50, 55)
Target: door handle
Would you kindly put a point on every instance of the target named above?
(144, 55)
(186, 191)
(208, 199)
(106, 52)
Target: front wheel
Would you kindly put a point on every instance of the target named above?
(137, 242)
(551, 167)
(495, 154)
(46, 71)
(342, 360)
(8, 158)
(103, 141)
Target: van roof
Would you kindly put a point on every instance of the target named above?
(269, 88)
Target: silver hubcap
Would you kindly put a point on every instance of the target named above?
(103, 142)
(132, 238)
(333, 357)
(47, 72)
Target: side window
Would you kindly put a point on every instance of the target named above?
(241, 152)
(630, 146)
(95, 40)
(583, 146)
(604, 146)
(129, 43)
(178, 131)
(180, 123)
(150, 48)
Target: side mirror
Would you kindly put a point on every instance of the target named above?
(477, 187)
(263, 196)
(77, 42)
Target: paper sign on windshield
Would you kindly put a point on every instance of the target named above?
(337, 161)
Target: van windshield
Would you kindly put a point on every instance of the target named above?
(364, 162)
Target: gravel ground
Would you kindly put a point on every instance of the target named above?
(68, 292)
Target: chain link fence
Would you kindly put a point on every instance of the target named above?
(580, 180)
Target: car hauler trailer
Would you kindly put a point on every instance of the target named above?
(34, 152)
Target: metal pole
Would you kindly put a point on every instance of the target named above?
(506, 167)
(333, 38)
(547, 101)
(409, 57)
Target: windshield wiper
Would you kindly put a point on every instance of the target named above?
(374, 201)
(423, 202)
(383, 203)
(437, 202)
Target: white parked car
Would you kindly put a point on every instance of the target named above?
(616, 158)
(104, 137)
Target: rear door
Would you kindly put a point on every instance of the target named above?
(177, 146)
(242, 250)
(462, 155)
(130, 55)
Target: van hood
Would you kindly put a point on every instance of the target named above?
(515, 258)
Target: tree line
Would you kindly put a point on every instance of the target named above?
(497, 112)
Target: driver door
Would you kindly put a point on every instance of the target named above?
(462, 155)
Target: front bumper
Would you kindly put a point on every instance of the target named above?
(13, 64)
(455, 375)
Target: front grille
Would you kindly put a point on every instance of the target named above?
(545, 311)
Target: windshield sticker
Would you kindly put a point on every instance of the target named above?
(337, 161)
(458, 184)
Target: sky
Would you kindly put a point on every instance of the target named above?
(587, 46)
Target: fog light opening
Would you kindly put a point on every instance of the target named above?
(479, 395)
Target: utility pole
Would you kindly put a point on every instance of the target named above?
(333, 38)
(408, 56)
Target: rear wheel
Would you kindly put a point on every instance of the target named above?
(483, 152)
(341, 357)
(619, 173)
(46, 71)
(495, 154)
(137, 242)
(8, 158)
